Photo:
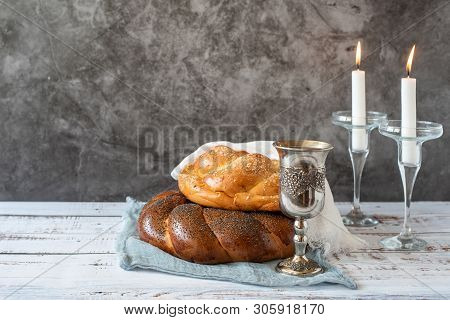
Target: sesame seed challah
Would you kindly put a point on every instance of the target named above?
(233, 180)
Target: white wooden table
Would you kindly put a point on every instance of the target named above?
(66, 251)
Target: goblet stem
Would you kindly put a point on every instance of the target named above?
(300, 239)
(358, 161)
(408, 174)
(299, 264)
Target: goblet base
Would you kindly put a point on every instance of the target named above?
(355, 218)
(299, 266)
(405, 244)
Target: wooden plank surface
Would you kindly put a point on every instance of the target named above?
(95, 276)
(24, 208)
(58, 235)
(72, 256)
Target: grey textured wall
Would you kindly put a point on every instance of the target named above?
(84, 82)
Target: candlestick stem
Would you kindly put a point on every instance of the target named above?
(408, 175)
(358, 161)
(406, 240)
(356, 218)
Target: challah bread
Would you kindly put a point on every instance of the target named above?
(209, 235)
(232, 180)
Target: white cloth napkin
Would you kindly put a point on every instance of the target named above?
(325, 230)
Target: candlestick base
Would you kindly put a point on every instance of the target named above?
(356, 218)
(404, 244)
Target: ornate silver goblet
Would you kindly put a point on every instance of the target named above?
(302, 196)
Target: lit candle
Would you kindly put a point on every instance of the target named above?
(359, 136)
(409, 150)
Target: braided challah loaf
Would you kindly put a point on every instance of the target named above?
(233, 180)
(209, 235)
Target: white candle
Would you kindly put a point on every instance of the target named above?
(359, 136)
(409, 149)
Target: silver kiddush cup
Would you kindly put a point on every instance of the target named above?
(302, 196)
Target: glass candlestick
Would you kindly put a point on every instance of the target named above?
(409, 161)
(358, 148)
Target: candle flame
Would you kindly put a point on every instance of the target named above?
(410, 59)
(358, 55)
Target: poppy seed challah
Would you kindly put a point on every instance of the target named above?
(210, 235)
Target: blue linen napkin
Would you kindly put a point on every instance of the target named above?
(135, 253)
